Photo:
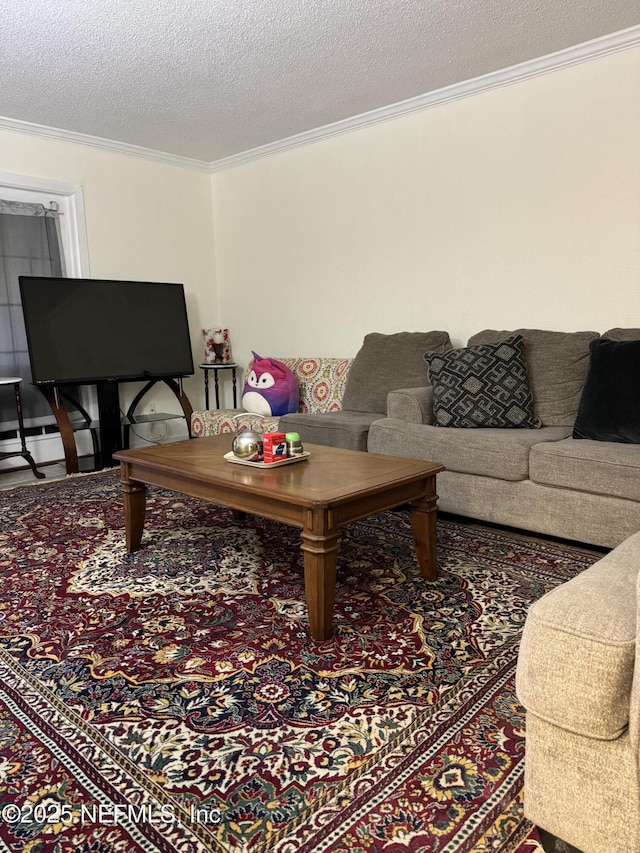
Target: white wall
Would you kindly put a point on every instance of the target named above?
(146, 220)
(519, 207)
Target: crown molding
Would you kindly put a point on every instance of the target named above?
(584, 52)
(100, 142)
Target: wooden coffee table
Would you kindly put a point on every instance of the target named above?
(321, 494)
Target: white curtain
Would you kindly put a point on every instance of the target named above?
(29, 245)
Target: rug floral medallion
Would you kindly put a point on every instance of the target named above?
(174, 700)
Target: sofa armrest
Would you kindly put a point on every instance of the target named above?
(411, 404)
(218, 421)
(577, 657)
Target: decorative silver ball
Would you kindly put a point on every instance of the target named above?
(248, 445)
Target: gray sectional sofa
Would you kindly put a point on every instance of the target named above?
(542, 480)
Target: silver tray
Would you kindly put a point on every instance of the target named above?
(287, 460)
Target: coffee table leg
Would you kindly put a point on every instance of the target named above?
(320, 548)
(134, 501)
(423, 527)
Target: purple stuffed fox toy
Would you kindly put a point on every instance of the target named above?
(271, 389)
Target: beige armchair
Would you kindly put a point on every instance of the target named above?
(578, 677)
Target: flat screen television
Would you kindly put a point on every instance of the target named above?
(82, 331)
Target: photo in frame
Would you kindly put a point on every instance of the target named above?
(217, 345)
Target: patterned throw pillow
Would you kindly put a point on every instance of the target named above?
(482, 386)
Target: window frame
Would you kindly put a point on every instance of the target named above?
(70, 200)
(73, 234)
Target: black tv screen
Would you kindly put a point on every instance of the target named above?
(91, 330)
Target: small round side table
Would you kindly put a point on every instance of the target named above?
(216, 366)
(15, 381)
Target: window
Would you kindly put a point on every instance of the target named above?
(27, 233)
(29, 245)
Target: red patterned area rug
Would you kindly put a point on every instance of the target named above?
(173, 700)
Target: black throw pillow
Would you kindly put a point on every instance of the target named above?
(485, 385)
(609, 407)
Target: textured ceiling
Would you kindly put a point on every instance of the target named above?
(207, 79)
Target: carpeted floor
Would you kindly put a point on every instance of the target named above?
(173, 700)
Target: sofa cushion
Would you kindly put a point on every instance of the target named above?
(321, 382)
(577, 654)
(387, 362)
(596, 467)
(618, 334)
(349, 430)
(499, 453)
(557, 365)
(482, 386)
(608, 408)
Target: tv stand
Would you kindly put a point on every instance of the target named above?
(109, 421)
(111, 432)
